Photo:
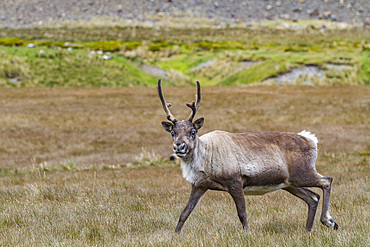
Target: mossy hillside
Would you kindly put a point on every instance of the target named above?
(227, 69)
(40, 67)
(184, 62)
(180, 58)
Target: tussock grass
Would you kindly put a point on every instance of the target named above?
(140, 206)
(111, 126)
(71, 174)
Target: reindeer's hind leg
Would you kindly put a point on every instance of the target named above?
(312, 200)
(326, 219)
(314, 179)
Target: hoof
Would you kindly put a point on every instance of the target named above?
(330, 223)
(334, 224)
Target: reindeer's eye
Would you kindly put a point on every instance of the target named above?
(193, 133)
(172, 134)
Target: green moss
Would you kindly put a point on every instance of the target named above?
(154, 47)
(218, 46)
(11, 41)
(158, 45)
(132, 45)
(106, 46)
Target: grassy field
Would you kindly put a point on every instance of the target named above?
(84, 158)
(140, 207)
(88, 167)
(68, 58)
(113, 126)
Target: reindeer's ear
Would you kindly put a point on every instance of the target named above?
(167, 126)
(199, 123)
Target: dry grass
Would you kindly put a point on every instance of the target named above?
(111, 126)
(140, 207)
(84, 195)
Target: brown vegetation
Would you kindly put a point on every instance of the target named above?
(79, 198)
(113, 126)
(140, 206)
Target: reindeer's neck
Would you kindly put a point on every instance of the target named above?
(197, 153)
(193, 164)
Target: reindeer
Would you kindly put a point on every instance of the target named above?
(252, 163)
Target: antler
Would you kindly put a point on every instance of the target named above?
(194, 106)
(164, 104)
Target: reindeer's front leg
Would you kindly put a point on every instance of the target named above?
(195, 197)
(235, 188)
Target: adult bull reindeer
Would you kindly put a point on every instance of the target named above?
(251, 163)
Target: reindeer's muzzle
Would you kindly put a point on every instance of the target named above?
(180, 149)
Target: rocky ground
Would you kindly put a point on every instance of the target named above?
(31, 13)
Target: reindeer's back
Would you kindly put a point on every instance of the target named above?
(254, 153)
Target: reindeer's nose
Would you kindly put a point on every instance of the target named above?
(179, 147)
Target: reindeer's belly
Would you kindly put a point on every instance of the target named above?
(260, 190)
(265, 180)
